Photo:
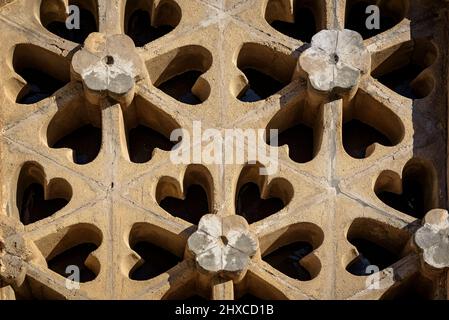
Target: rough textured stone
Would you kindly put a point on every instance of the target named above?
(219, 49)
(14, 253)
(223, 246)
(433, 239)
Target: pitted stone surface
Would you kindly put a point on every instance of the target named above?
(336, 60)
(108, 66)
(14, 252)
(223, 245)
(433, 239)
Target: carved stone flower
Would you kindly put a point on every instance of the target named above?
(433, 239)
(335, 62)
(14, 253)
(223, 246)
(108, 66)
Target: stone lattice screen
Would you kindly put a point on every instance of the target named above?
(86, 174)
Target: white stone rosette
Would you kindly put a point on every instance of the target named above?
(108, 66)
(223, 246)
(432, 239)
(335, 61)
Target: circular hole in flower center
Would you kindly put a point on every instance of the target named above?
(109, 60)
(335, 58)
(224, 240)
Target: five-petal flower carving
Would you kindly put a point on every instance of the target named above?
(223, 246)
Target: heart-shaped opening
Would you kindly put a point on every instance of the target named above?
(264, 72)
(144, 22)
(405, 71)
(367, 122)
(378, 245)
(76, 126)
(152, 244)
(70, 255)
(299, 19)
(41, 72)
(196, 198)
(415, 194)
(299, 126)
(148, 128)
(38, 199)
(73, 25)
(256, 199)
(290, 250)
(390, 14)
(180, 74)
(155, 261)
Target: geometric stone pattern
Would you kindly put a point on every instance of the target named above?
(114, 203)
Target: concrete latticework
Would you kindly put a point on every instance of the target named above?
(354, 211)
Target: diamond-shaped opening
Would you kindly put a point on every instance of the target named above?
(193, 201)
(145, 22)
(37, 198)
(406, 70)
(299, 126)
(299, 19)
(157, 250)
(180, 74)
(367, 122)
(290, 250)
(415, 193)
(70, 255)
(73, 26)
(378, 245)
(41, 72)
(147, 128)
(257, 200)
(390, 14)
(76, 126)
(264, 72)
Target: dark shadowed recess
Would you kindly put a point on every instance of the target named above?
(287, 260)
(85, 143)
(142, 141)
(370, 254)
(252, 207)
(75, 256)
(300, 140)
(88, 25)
(156, 261)
(180, 87)
(39, 86)
(34, 207)
(358, 136)
(192, 208)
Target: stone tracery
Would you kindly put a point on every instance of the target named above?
(328, 192)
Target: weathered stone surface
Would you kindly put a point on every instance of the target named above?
(433, 239)
(335, 61)
(329, 199)
(108, 66)
(223, 246)
(14, 253)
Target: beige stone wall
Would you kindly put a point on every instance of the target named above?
(369, 109)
